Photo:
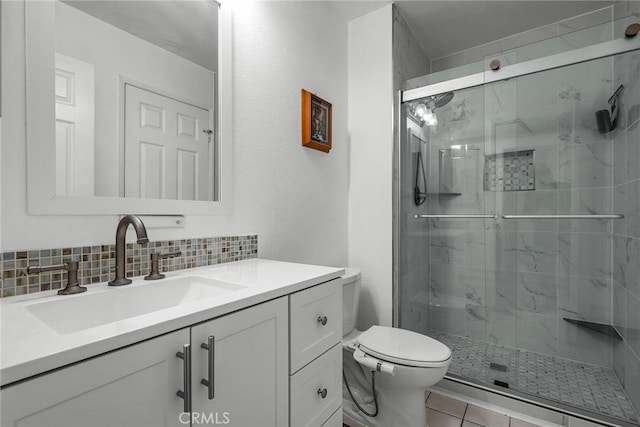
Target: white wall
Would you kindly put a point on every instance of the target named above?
(1, 24)
(0, 175)
(297, 196)
(370, 188)
(294, 198)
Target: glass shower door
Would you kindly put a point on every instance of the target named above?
(444, 216)
(551, 272)
(512, 250)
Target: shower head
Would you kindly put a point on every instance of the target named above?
(423, 114)
(424, 111)
(441, 100)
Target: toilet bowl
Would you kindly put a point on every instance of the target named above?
(399, 362)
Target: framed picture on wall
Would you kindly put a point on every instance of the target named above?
(316, 122)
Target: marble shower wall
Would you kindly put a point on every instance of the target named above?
(457, 252)
(512, 282)
(626, 233)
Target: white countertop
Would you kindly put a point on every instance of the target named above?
(29, 347)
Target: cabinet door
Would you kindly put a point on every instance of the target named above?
(135, 386)
(250, 367)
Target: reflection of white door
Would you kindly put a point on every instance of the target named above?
(167, 150)
(75, 113)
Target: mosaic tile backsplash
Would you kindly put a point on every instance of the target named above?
(97, 263)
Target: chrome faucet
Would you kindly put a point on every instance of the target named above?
(121, 235)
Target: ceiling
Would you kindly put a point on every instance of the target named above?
(443, 27)
(186, 28)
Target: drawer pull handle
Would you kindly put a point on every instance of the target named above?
(209, 382)
(323, 320)
(185, 355)
(322, 392)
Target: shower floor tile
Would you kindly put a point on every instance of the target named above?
(582, 385)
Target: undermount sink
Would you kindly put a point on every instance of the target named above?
(75, 313)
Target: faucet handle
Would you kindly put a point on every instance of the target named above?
(72, 276)
(155, 274)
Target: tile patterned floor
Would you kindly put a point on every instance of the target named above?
(578, 384)
(444, 411)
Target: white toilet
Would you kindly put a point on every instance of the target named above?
(405, 363)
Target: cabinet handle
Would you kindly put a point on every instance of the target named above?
(209, 383)
(185, 395)
(323, 320)
(322, 392)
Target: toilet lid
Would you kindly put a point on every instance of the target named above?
(404, 347)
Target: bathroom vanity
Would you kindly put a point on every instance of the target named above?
(248, 343)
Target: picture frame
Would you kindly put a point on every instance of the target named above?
(316, 122)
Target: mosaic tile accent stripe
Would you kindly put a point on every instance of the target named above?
(97, 263)
(586, 386)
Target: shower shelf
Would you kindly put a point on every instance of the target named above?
(495, 216)
(597, 327)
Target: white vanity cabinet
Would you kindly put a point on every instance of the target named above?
(273, 364)
(249, 356)
(135, 386)
(316, 356)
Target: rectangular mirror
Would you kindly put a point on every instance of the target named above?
(128, 107)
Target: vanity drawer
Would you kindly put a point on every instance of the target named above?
(322, 377)
(315, 322)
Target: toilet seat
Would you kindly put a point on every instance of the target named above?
(404, 347)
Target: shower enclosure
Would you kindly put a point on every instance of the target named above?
(519, 223)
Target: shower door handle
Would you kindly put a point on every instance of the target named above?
(612, 216)
(447, 216)
(496, 216)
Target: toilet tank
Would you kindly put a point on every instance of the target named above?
(350, 299)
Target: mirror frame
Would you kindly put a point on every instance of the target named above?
(40, 126)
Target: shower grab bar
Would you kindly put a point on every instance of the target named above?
(495, 216)
(613, 216)
(443, 216)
